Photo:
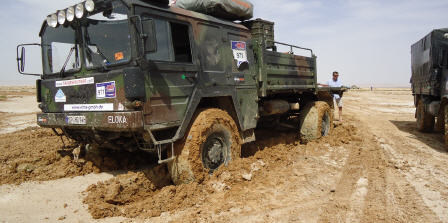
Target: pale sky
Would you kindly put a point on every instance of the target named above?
(367, 41)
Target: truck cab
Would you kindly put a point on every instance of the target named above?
(128, 61)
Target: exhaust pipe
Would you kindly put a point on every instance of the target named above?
(276, 107)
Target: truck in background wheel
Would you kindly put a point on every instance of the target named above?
(189, 88)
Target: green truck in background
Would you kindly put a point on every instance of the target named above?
(429, 80)
(189, 87)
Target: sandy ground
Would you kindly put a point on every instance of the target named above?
(373, 168)
(49, 201)
(420, 160)
(18, 107)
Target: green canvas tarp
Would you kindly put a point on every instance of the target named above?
(224, 9)
(429, 53)
(428, 58)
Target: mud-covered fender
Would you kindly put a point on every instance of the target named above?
(218, 92)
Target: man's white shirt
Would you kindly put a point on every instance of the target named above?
(333, 83)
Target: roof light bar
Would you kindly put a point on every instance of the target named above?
(69, 14)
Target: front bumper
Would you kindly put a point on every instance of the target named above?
(106, 121)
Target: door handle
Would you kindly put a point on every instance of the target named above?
(190, 76)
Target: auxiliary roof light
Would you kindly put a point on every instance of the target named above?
(48, 20)
(52, 20)
(70, 13)
(79, 10)
(90, 5)
(61, 17)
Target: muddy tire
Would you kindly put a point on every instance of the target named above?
(316, 120)
(425, 121)
(212, 140)
(445, 109)
(440, 122)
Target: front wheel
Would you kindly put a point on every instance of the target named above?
(316, 120)
(212, 140)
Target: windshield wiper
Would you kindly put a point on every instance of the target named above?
(102, 55)
(66, 61)
(98, 51)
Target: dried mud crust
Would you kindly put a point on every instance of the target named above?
(425, 121)
(188, 165)
(440, 122)
(37, 154)
(311, 120)
(216, 192)
(445, 109)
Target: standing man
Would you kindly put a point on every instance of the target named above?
(334, 82)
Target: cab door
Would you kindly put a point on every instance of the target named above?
(243, 72)
(171, 75)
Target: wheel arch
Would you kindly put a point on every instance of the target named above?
(326, 97)
(221, 99)
(226, 103)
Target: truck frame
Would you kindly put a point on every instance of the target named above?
(188, 87)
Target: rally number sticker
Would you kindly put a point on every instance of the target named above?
(239, 52)
(105, 90)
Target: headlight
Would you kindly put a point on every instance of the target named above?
(52, 20)
(90, 5)
(79, 11)
(61, 17)
(70, 13)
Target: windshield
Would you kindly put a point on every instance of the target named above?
(60, 50)
(107, 36)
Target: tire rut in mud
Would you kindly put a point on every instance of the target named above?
(359, 195)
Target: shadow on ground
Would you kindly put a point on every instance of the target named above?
(433, 140)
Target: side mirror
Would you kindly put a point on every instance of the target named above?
(146, 30)
(149, 31)
(21, 58)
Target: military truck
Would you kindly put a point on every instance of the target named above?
(188, 87)
(429, 81)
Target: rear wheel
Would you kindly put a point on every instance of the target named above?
(212, 140)
(425, 121)
(316, 120)
(440, 121)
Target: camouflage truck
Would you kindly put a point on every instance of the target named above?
(187, 87)
(430, 81)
